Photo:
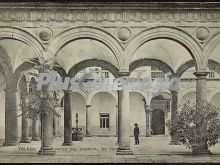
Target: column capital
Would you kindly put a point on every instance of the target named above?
(173, 75)
(11, 90)
(87, 106)
(148, 109)
(201, 74)
(67, 91)
(123, 73)
(173, 92)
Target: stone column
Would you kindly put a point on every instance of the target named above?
(201, 95)
(55, 126)
(25, 125)
(150, 116)
(116, 120)
(67, 119)
(35, 130)
(166, 128)
(11, 120)
(59, 126)
(56, 123)
(46, 125)
(88, 120)
(123, 120)
(47, 136)
(148, 111)
(174, 111)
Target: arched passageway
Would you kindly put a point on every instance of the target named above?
(158, 122)
(103, 114)
(78, 105)
(137, 112)
(161, 106)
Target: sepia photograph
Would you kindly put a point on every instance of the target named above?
(107, 81)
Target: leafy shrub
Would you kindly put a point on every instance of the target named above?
(197, 126)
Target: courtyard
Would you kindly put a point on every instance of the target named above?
(154, 149)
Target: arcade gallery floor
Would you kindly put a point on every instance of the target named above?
(155, 149)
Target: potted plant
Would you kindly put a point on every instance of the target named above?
(197, 126)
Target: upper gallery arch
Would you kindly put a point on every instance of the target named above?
(173, 44)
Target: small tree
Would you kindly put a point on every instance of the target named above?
(37, 98)
(40, 102)
(198, 126)
(36, 104)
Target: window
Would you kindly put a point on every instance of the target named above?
(104, 120)
(106, 75)
(212, 75)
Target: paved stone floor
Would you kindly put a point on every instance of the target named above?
(154, 149)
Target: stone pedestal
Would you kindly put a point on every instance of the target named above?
(67, 119)
(35, 130)
(25, 125)
(11, 125)
(174, 111)
(123, 122)
(88, 120)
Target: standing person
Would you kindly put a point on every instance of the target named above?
(136, 133)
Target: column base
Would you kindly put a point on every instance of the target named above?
(67, 144)
(147, 135)
(35, 139)
(47, 151)
(124, 152)
(88, 135)
(12, 143)
(25, 141)
(59, 135)
(174, 142)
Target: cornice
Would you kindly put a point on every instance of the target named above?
(110, 11)
(111, 4)
(110, 15)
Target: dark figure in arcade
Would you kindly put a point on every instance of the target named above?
(136, 134)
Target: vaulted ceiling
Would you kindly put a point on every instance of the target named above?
(17, 51)
(84, 49)
(168, 51)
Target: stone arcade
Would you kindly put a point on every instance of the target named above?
(121, 41)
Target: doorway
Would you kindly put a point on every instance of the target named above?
(158, 122)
